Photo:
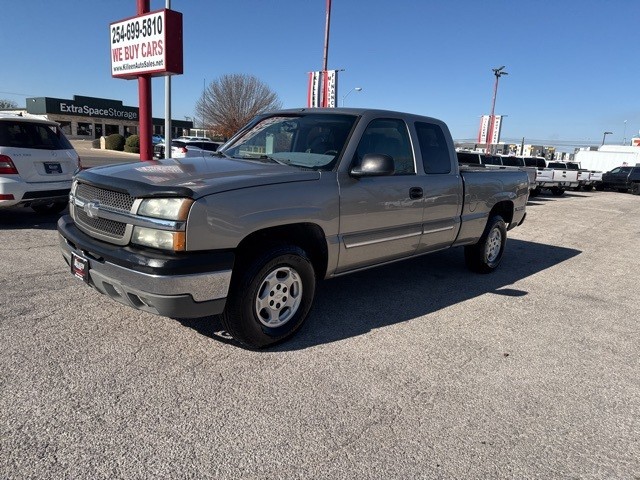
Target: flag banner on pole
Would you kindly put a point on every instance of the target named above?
(484, 128)
(313, 94)
(332, 89)
(495, 131)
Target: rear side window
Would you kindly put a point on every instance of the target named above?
(434, 148)
(491, 160)
(466, 157)
(210, 147)
(32, 135)
(512, 161)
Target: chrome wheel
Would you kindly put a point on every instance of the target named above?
(494, 245)
(278, 297)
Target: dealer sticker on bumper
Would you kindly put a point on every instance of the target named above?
(80, 267)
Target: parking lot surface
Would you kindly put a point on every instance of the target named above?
(420, 369)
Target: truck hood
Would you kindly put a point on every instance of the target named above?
(192, 177)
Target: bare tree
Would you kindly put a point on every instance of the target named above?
(230, 101)
(7, 103)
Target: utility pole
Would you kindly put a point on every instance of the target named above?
(144, 100)
(325, 58)
(498, 72)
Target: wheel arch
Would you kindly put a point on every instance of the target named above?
(504, 209)
(308, 236)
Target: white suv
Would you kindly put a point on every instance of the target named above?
(36, 163)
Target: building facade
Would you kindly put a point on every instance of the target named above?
(90, 117)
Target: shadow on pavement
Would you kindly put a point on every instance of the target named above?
(358, 303)
(19, 218)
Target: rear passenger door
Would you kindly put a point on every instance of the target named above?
(442, 186)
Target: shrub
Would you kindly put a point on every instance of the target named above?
(132, 145)
(114, 142)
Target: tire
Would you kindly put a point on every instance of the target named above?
(557, 191)
(46, 208)
(599, 187)
(588, 188)
(635, 189)
(534, 192)
(485, 256)
(270, 297)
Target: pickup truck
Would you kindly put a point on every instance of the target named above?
(294, 197)
(623, 179)
(501, 162)
(557, 177)
(585, 181)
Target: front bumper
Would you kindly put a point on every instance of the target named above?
(180, 286)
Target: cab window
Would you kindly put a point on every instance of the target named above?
(389, 137)
(434, 148)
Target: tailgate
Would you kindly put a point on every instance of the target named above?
(35, 165)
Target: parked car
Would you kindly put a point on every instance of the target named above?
(193, 137)
(186, 148)
(36, 163)
(157, 139)
(623, 179)
(294, 197)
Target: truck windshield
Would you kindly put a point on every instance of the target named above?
(314, 140)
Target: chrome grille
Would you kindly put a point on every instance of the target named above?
(102, 225)
(108, 198)
(105, 229)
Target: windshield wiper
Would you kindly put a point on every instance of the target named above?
(283, 161)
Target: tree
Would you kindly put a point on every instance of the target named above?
(7, 103)
(230, 101)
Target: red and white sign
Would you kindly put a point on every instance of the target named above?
(313, 94)
(495, 129)
(484, 129)
(331, 89)
(149, 44)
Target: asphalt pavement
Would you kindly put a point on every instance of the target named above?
(420, 369)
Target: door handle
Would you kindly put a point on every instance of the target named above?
(415, 193)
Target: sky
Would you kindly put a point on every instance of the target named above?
(573, 70)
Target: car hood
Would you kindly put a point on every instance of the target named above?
(192, 177)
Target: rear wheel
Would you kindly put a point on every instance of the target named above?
(557, 191)
(270, 297)
(534, 192)
(53, 207)
(588, 188)
(599, 187)
(485, 256)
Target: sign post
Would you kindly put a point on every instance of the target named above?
(145, 46)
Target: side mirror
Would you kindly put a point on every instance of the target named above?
(374, 165)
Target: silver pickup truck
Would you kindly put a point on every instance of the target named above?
(294, 197)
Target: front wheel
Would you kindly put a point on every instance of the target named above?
(635, 189)
(270, 297)
(485, 256)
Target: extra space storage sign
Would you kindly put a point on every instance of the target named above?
(149, 44)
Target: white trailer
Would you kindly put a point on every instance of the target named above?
(608, 157)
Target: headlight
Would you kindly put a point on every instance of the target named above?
(162, 239)
(165, 208)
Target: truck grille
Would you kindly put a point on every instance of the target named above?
(102, 228)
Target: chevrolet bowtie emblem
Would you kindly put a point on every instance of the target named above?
(92, 209)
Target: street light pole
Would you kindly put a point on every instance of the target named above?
(498, 72)
(357, 89)
(605, 136)
(624, 137)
